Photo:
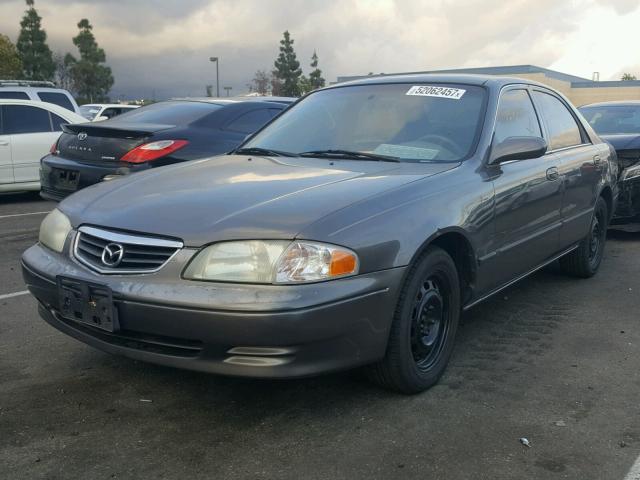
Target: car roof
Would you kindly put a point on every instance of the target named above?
(109, 105)
(494, 81)
(613, 103)
(238, 99)
(31, 88)
(61, 111)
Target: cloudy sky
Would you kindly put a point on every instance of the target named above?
(162, 47)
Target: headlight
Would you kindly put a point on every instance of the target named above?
(272, 261)
(54, 230)
(631, 172)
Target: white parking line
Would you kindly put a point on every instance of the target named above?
(22, 214)
(634, 473)
(14, 294)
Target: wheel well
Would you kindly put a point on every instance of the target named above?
(460, 250)
(608, 198)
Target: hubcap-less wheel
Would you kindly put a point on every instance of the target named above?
(429, 322)
(596, 239)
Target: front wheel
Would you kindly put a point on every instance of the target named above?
(585, 260)
(424, 326)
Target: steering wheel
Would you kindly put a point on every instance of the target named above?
(442, 141)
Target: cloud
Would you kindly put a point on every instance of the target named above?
(163, 46)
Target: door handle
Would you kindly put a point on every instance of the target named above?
(597, 160)
(3, 143)
(552, 173)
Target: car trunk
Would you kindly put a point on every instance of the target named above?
(103, 144)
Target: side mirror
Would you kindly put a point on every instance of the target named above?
(518, 148)
(100, 118)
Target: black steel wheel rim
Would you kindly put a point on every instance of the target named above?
(596, 239)
(430, 321)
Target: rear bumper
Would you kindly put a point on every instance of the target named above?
(88, 174)
(272, 331)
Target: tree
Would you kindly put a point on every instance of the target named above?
(37, 60)
(628, 76)
(304, 85)
(261, 82)
(91, 79)
(64, 75)
(315, 77)
(10, 63)
(288, 69)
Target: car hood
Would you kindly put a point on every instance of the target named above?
(236, 197)
(623, 141)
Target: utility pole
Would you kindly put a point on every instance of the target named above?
(217, 61)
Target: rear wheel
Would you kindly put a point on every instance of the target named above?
(585, 260)
(424, 326)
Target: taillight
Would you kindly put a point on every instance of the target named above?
(152, 151)
(54, 148)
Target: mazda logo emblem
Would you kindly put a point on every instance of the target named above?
(82, 136)
(112, 254)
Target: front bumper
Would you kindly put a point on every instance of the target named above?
(245, 330)
(88, 174)
(628, 206)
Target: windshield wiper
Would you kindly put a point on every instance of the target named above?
(262, 151)
(349, 154)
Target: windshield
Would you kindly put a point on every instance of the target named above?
(89, 111)
(170, 112)
(613, 119)
(410, 122)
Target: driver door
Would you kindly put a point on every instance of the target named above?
(528, 194)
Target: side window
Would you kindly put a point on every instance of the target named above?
(250, 121)
(57, 122)
(109, 112)
(563, 129)
(18, 119)
(14, 95)
(516, 117)
(56, 98)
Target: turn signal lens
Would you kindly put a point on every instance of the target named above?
(152, 151)
(312, 262)
(54, 148)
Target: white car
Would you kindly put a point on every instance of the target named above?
(39, 92)
(97, 112)
(27, 131)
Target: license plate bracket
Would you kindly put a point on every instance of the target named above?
(87, 303)
(65, 179)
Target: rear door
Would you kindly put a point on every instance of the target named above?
(578, 163)
(31, 135)
(528, 194)
(6, 167)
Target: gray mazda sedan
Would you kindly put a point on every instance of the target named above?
(350, 231)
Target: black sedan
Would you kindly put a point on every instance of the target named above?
(350, 231)
(619, 124)
(151, 136)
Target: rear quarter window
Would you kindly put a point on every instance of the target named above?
(251, 121)
(14, 95)
(56, 98)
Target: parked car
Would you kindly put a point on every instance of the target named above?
(38, 92)
(352, 230)
(619, 124)
(152, 136)
(96, 112)
(27, 131)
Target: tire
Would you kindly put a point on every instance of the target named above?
(424, 326)
(584, 261)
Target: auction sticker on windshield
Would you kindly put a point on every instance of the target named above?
(432, 91)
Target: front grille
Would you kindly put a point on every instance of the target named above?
(119, 253)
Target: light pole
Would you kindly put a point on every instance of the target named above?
(215, 59)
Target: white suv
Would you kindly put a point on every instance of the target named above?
(27, 132)
(37, 91)
(96, 112)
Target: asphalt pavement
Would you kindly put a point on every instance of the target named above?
(552, 359)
